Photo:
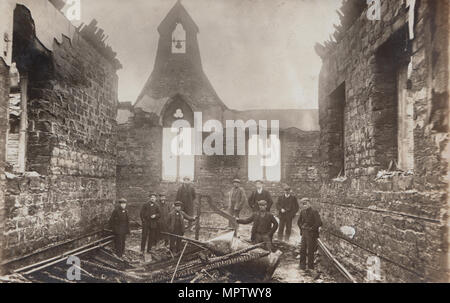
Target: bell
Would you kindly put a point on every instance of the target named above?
(179, 46)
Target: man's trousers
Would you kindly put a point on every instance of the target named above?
(149, 238)
(235, 213)
(119, 244)
(285, 224)
(175, 244)
(308, 247)
(264, 238)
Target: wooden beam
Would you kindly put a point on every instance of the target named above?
(56, 260)
(336, 263)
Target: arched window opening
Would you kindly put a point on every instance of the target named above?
(264, 160)
(178, 155)
(179, 40)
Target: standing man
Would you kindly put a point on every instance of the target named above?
(176, 226)
(259, 194)
(287, 206)
(165, 209)
(186, 194)
(150, 215)
(120, 225)
(264, 225)
(309, 223)
(237, 199)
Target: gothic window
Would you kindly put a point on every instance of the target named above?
(179, 40)
(264, 161)
(178, 159)
(178, 156)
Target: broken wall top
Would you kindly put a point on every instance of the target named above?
(50, 25)
(351, 11)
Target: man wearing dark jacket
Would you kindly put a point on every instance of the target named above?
(176, 226)
(165, 208)
(309, 223)
(236, 199)
(186, 194)
(264, 225)
(287, 206)
(150, 215)
(120, 225)
(258, 195)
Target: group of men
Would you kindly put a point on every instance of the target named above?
(159, 217)
(265, 224)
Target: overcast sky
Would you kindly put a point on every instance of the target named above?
(258, 54)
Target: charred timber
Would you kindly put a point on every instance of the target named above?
(262, 267)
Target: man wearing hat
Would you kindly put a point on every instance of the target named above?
(309, 223)
(150, 215)
(186, 194)
(287, 206)
(264, 225)
(237, 199)
(259, 194)
(176, 226)
(120, 225)
(165, 209)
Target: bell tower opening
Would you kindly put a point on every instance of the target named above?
(179, 40)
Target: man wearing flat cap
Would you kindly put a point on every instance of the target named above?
(120, 225)
(176, 226)
(264, 225)
(236, 199)
(287, 206)
(309, 223)
(150, 214)
(186, 194)
(259, 194)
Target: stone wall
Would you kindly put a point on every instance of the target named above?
(139, 167)
(69, 187)
(397, 217)
(4, 99)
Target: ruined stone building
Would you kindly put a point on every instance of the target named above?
(373, 158)
(66, 159)
(58, 100)
(384, 141)
(176, 89)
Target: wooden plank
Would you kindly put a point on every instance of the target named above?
(67, 255)
(338, 265)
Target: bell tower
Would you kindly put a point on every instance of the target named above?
(178, 69)
(178, 38)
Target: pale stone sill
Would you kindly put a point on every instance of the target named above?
(15, 175)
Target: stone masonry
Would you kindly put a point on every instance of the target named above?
(4, 99)
(397, 219)
(69, 186)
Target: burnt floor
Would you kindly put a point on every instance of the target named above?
(287, 272)
(103, 266)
